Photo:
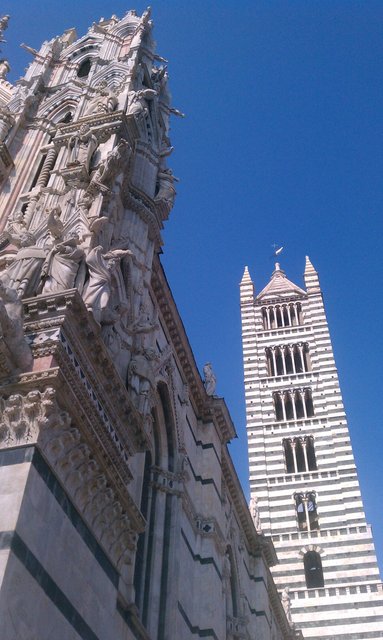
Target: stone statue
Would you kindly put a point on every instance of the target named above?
(4, 69)
(15, 227)
(254, 510)
(6, 122)
(137, 105)
(81, 147)
(102, 269)
(3, 24)
(11, 328)
(210, 379)
(166, 191)
(143, 326)
(104, 102)
(62, 264)
(23, 274)
(286, 604)
(108, 168)
(141, 377)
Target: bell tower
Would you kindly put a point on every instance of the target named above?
(302, 470)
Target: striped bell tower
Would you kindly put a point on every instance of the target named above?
(302, 469)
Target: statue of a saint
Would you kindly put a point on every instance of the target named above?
(62, 264)
(286, 604)
(23, 274)
(210, 380)
(102, 269)
(104, 102)
(81, 147)
(11, 327)
(254, 510)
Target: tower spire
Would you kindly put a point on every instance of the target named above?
(311, 278)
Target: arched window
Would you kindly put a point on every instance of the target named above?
(309, 403)
(301, 512)
(312, 512)
(311, 459)
(288, 360)
(279, 361)
(154, 557)
(288, 406)
(299, 405)
(301, 464)
(270, 363)
(289, 458)
(313, 570)
(84, 69)
(297, 360)
(278, 406)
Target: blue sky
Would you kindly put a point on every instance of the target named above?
(282, 142)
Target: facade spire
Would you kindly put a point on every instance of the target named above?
(4, 64)
(311, 278)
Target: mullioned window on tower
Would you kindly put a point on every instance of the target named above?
(288, 359)
(296, 404)
(282, 315)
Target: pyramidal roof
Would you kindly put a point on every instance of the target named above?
(280, 286)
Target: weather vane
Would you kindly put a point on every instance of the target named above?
(277, 250)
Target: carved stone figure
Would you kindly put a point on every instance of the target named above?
(15, 227)
(102, 269)
(166, 191)
(144, 325)
(137, 105)
(6, 122)
(209, 379)
(4, 24)
(141, 377)
(81, 147)
(4, 69)
(254, 510)
(108, 168)
(62, 265)
(11, 328)
(286, 604)
(104, 102)
(23, 274)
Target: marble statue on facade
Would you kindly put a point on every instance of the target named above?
(141, 377)
(286, 604)
(62, 265)
(137, 102)
(23, 274)
(210, 380)
(166, 191)
(4, 69)
(81, 147)
(105, 101)
(11, 328)
(254, 510)
(103, 267)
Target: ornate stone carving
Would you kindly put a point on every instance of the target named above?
(81, 147)
(11, 330)
(209, 379)
(62, 264)
(105, 100)
(22, 417)
(104, 276)
(141, 377)
(254, 510)
(286, 604)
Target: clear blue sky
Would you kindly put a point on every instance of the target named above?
(282, 143)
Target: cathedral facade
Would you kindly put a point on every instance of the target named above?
(303, 478)
(121, 513)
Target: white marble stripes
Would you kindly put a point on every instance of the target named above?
(348, 601)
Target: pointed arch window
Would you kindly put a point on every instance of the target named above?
(313, 570)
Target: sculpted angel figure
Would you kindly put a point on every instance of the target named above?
(137, 105)
(103, 267)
